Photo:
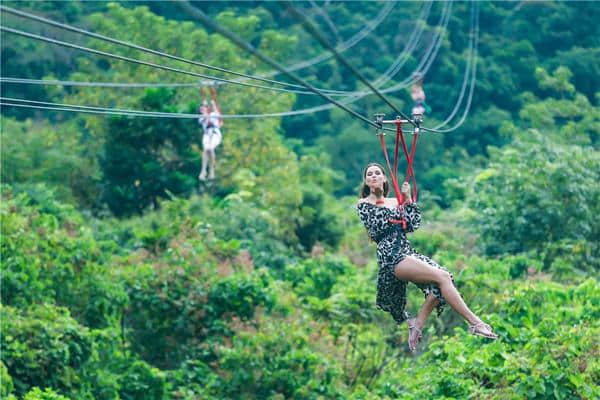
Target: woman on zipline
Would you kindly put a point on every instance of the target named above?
(399, 263)
(211, 121)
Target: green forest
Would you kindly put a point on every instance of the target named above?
(124, 276)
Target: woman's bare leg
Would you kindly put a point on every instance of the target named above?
(213, 164)
(415, 270)
(205, 156)
(430, 303)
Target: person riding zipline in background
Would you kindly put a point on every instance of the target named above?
(211, 121)
(417, 93)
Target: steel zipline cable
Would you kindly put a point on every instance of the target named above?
(113, 111)
(66, 107)
(196, 13)
(136, 61)
(70, 28)
(356, 38)
(314, 31)
(408, 48)
(468, 69)
(473, 82)
(426, 60)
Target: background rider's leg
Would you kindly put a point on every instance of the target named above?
(213, 164)
(202, 175)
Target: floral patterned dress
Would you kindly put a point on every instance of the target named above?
(392, 248)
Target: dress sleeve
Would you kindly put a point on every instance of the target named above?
(412, 216)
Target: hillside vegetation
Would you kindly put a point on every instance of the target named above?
(123, 278)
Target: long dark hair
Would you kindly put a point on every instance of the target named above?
(365, 190)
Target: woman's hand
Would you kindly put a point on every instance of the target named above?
(405, 190)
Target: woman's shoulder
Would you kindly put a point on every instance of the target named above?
(389, 202)
(363, 202)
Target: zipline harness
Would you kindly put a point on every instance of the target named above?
(410, 156)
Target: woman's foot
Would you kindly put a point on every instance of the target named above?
(480, 328)
(414, 335)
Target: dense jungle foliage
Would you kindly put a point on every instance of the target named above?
(123, 278)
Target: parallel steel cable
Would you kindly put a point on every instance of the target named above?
(94, 84)
(326, 18)
(132, 113)
(288, 113)
(162, 54)
(196, 13)
(146, 63)
(118, 111)
(411, 44)
(325, 43)
(297, 112)
(140, 85)
(428, 58)
(471, 89)
(75, 107)
(127, 85)
(134, 46)
(356, 38)
(467, 73)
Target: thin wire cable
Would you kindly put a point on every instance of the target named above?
(325, 43)
(471, 89)
(196, 13)
(426, 60)
(279, 114)
(146, 63)
(119, 111)
(356, 38)
(326, 18)
(313, 109)
(467, 73)
(411, 44)
(126, 85)
(70, 28)
(95, 84)
(433, 48)
(131, 45)
(43, 20)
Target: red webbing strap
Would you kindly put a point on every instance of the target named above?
(410, 171)
(398, 133)
(213, 95)
(399, 196)
(409, 157)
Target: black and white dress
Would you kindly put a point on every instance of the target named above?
(392, 248)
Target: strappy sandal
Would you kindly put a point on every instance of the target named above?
(478, 329)
(414, 335)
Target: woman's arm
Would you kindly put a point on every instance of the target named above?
(412, 216)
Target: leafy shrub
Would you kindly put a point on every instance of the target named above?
(141, 381)
(6, 383)
(316, 277)
(314, 223)
(535, 193)
(44, 346)
(547, 349)
(48, 256)
(171, 312)
(278, 363)
(48, 394)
